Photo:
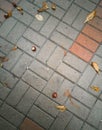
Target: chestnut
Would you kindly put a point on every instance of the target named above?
(33, 48)
(54, 95)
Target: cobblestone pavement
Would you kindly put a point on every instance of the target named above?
(65, 48)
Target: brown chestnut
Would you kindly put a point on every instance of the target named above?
(54, 95)
(33, 48)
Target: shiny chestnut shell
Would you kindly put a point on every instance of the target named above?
(33, 48)
(54, 95)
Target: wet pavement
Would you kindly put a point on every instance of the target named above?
(65, 48)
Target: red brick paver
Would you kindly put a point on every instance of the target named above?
(29, 125)
(81, 52)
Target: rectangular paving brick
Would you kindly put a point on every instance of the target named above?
(71, 14)
(67, 30)
(5, 5)
(87, 42)
(46, 51)
(86, 77)
(99, 50)
(48, 105)
(34, 37)
(95, 1)
(21, 65)
(29, 125)
(84, 97)
(93, 33)
(7, 78)
(16, 32)
(78, 109)
(56, 57)
(27, 100)
(7, 26)
(88, 127)
(41, 70)
(17, 93)
(5, 125)
(2, 13)
(96, 114)
(40, 117)
(49, 26)
(34, 80)
(61, 40)
(75, 62)
(88, 5)
(64, 117)
(11, 115)
(81, 52)
(68, 72)
(75, 124)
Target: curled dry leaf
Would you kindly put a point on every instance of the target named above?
(39, 17)
(20, 9)
(9, 14)
(95, 66)
(61, 108)
(3, 59)
(43, 8)
(95, 88)
(14, 48)
(53, 6)
(90, 16)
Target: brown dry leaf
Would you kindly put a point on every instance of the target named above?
(95, 88)
(90, 16)
(43, 8)
(95, 66)
(9, 14)
(61, 108)
(3, 59)
(14, 48)
(53, 6)
(20, 9)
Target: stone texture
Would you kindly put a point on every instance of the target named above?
(88, 127)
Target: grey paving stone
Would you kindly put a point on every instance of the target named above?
(99, 51)
(17, 93)
(84, 97)
(53, 84)
(68, 72)
(57, 13)
(66, 85)
(26, 18)
(49, 26)
(88, 127)
(41, 69)
(63, 4)
(2, 16)
(46, 51)
(95, 1)
(78, 109)
(61, 40)
(56, 58)
(7, 26)
(96, 114)
(7, 78)
(67, 30)
(47, 104)
(101, 96)
(27, 46)
(27, 100)
(11, 115)
(86, 77)
(61, 121)
(40, 117)
(86, 4)
(16, 32)
(5, 5)
(75, 124)
(4, 91)
(34, 80)
(38, 24)
(75, 62)
(22, 64)
(13, 58)
(1, 102)
(71, 14)
(100, 125)
(79, 21)
(34, 37)
(5, 46)
(5, 125)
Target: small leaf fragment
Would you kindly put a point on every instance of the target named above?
(3, 59)
(53, 6)
(8, 14)
(20, 9)
(39, 17)
(95, 66)
(14, 48)
(90, 16)
(43, 8)
(61, 108)
(95, 88)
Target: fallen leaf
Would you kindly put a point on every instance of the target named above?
(61, 108)
(39, 17)
(8, 14)
(43, 8)
(14, 48)
(95, 66)
(3, 59)
(20, 9)
(95, 88)
(90, 16)
(53, 6)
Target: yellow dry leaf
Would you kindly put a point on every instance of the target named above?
(95, 66)
(14, 48)
(43, 8)
(90, 16)
(95, 88)
(61, 108)
(9, 14)
(53, 6)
